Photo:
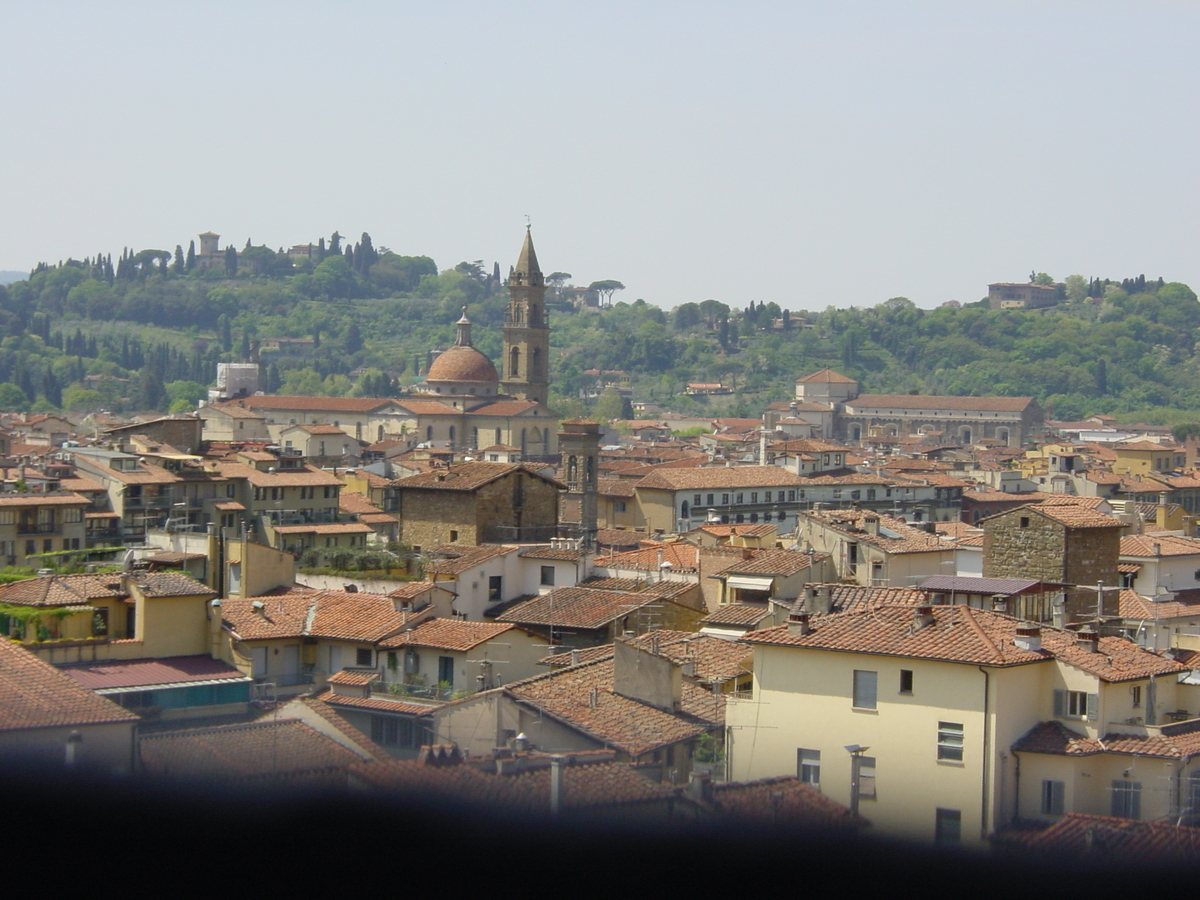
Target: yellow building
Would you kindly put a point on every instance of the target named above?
(937, 700)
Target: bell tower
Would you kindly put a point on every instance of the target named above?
(526, 361)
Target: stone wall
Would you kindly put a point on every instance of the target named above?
(428, 517)
(1050, 551)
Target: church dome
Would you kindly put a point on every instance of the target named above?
(462, 363)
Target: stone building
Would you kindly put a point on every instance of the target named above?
(1069, 545)
(860, 417)
(477, 503)
(1005, 295)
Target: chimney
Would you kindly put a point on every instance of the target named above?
(999, 603)
(700, 786)
(824, 599)
(556, 783)
(1028, 637)
(1160, 514)
(871, 525)
(798, 624)
(1088, 640)
(923, 616)
(575, 657)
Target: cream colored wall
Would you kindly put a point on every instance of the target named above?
(1088, 782)
(476, 725)
(263, 567)
(172, 626)
(809, 696)
(657, 509)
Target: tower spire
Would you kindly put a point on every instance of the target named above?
(527, 273)
(526, 334)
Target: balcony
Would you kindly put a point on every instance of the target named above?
(38, 528)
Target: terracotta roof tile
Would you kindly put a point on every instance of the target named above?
(720, 478)
(467, 476)
(109, 674)
(270, 749)
(583, 697)
(449, 634)
(964, 635)
(918, 401)
(453, 559)
(34, 694)
(580, 607)
(329, 614)
(712, 658)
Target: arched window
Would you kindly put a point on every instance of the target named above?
(514, 363)
(535, 363)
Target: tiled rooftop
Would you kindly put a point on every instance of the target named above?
(960, 634)
(34, 694)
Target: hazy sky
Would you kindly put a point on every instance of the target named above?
(815, 154)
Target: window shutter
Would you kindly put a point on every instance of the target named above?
(1060, 704)
(1055, 798)
(1093, 706)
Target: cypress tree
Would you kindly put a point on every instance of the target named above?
(178, 267)
(191, 256)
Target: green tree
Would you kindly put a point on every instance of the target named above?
(353, 339)
(12, 398)
(606, 289)
(608, 405)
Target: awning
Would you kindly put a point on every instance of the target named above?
(747, 583)
(105, 692)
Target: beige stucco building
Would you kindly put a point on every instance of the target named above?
(941, 700)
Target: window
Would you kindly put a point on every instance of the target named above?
(906, 681)
(1052, 797)
(1127, 799)
(950, 742)
(739, 498)
(754, 496)
(864, 689)
(548, 576)
(618, 506)
(1024, 521)
(495, 588)
(948, 826)
(866, 776)
(710, 503)
(808, 766)
(364, 657)
(1076, 705)
(724, 499)
(696, 500)
(453, 536)
(446, 671)
(1136, 693)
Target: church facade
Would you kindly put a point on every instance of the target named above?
(463, 404)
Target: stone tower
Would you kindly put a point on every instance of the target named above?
(579, 444)
(526, 334)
